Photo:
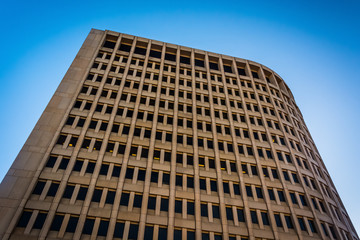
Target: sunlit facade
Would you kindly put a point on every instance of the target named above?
(149, 140)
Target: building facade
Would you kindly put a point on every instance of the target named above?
(150, 140)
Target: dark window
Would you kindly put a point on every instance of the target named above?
(178, 206)
(226, 187)
(205, 236)
(139, 50)
(71, 227)
(254, 74)
(302, 224)
(133, 232)
(129, 173)
(254, 218)
(116, 171)
(265, 218)
(248, 191)
(164, 206)
(137, 201)
(39, 221)
(190, 208)
(312, 226)
(119, 230)
(271, 194)
(24, 219)
(155, 54)
(125, 47)
(63, 164)
(82, 193)
(259, 192)
(68, 191)
(229, 213)
(293, 198)
(278, 220)
(170, 57)
(152, 202)
(97, 195)
(149, 232)
(39, 187)
(185, 60)
(90, 167)
(104, 169)
(110, 197)
(109, 44)
(103, 228)
(53, 189)
(190, 235)
(216, 211)
(78, 165)
(177, 234)
(213, 66)
(88, 226)
(227, 68)
(241, 71)
(213, 185)
(281, 196)
(124, 201)
(141, 175)
(199, 63)
(57, 222)
(51, 162)
(241, 216)
(236, 188)
(289, 222)
(204, 210)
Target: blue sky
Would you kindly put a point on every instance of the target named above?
(313, 45)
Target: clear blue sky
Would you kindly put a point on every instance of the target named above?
(313, 45)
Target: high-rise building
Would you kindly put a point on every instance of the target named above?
(150, 140)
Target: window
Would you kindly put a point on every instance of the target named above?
(133, 231)
(216, 211)
(57, 222)
(229, 213)
(72, 223)
(265, 218)
(288, 221)
(302, 224)
(40, 219)
(254, 218)
(88, 226)
(119, 230)
(278, 220)
(204, 209)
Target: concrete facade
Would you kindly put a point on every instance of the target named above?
(150, 140)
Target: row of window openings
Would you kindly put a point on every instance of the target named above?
(172, 80)
(180, 123)
(135, 72)
(171, 56)
(113, 94)
(145, 151)
(103, 224)
(95, 144)
(169, 120)
(110, 195)
(164, 177)
(121, 228)
(204, 162)
(86, 105)
(151, 88)
(181, 139)
(186, 60)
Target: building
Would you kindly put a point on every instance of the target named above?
(150, 140)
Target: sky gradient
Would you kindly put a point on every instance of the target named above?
(312, 45)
